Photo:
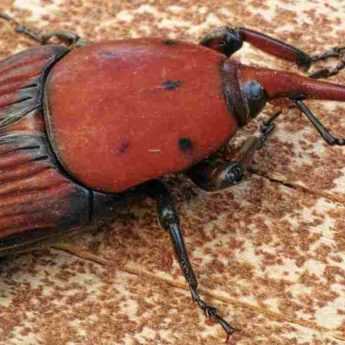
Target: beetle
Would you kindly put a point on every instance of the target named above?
(82, 124)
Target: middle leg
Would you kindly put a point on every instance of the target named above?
(169, 221)
(70, 39)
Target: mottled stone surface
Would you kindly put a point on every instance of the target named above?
(269, 252)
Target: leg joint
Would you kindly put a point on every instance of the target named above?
(225, 40)
(168, 216)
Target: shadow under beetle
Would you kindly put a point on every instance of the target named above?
(82, 123)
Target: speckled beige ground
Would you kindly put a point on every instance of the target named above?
(269, 252)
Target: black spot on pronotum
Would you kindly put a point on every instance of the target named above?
(171, 84)
(123, 147)
(169, 42)
(185, 144)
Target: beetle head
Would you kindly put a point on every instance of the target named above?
(281, 84)
(254, 97)
(245, 97)
(247, 89)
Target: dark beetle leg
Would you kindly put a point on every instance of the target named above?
(324, 132)
(169, 220)
(333, 52)
(212, 178)
(336, 52)
(66, 37)
(268, 126)
(22, 29)
(228, 40)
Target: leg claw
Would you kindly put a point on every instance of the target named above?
(212, 313)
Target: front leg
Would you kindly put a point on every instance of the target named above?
(228, 40)
(211, 178)
(169, 221)
(336, 52)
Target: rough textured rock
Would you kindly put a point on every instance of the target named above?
(270, 251)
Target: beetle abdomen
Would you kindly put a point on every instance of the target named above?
(37, 200)
(21, 81)
(34, 195)
(121, 113)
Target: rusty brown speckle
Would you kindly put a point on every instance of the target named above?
(269, 252)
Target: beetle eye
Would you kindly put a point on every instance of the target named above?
(255, 97)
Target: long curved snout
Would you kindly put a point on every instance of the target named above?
(278, 84)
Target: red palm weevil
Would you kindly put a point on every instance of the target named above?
(83, 123)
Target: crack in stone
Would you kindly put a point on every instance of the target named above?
(298, 187)
(132, 269)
